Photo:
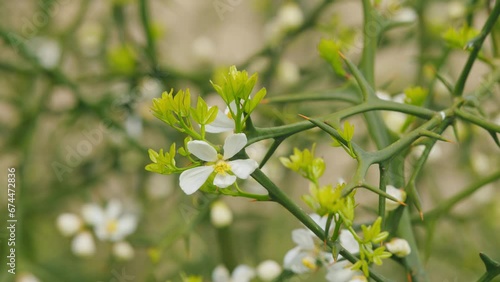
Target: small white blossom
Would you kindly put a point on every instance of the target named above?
(242, 273)
(110, 224)
(399, 247)
(303, 258)
(123, 250)
(27, 277)
(341, 272)
(69, 224)
(399, 194)
(220, 214)
(83, 244)
(223, 121)
(226, 171)
(268, 270)
(46, 50)
(290, 16)
(288, 72)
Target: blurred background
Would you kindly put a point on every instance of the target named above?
(77, 78)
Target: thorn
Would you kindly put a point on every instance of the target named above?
(421, 216)
(402, 203)
(342, 56)
(304, 117)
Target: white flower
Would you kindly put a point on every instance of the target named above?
(341, 272)
(46, 50)
(290, 16)
(399, 194)
(226, 171)
(288, 72)
(69, 224)
(83, 244)
(268, 270)
(399, 247)
(242, 273)
(27, 277)
(110, 224)
(303, 258)
(223, 121)
(123, 250)
(220, 214)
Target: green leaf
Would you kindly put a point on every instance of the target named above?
(329, 51)
(459, 38)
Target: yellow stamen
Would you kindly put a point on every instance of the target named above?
(221, 167)
(309, 263)
(112, 226)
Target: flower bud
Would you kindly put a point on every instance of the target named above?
(27, 277)
(83, 244)
(399, 247)
(399, 194)
(220, 214)
(68, 224)
(290, 16)
(123, 250)
(268, 270)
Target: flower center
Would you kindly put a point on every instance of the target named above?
(221, 167)
(310, 263)
(111, 226)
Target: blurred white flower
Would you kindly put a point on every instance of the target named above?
(204, 49)
(399, 194)
(290, 16)
(340, 272)
(288, 72)
(150, 88)
(83, 244)
(456, 9)
(89, 38)
(394, 120)
(268, 270)
(242, 273)
(69, 224)
(358, 278)
(405, 15)
(46, 50)
(27, 277)
(220, 214)
(123, 250)
(226, 171)
(133, 126)
(305, 256)
(110, 224)
(399, 247)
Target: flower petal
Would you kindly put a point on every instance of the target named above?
(224, 180)
(340, 272)
(113, 209)
(92, 214)
(222, 123)
(202, 150)
(220, 274)
(303, 239)
(192, 179)
(243, 273)
(126, 226)
(233, 144)
(348, 242)
(243, 168)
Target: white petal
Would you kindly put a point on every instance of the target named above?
(126, 226)
(233, 144)
(243, 273)
(268, 270)
(83, 244)
(113, 209)
(348, 242)
(192, 179)
(243, 168)
(340, 272)
(220, 274)
(123, 250)
(222, 123)
(303, 239)
(92, 214)
(321, 221)
(291, 257)
(69, 224)
(224, 180)
(202, 150)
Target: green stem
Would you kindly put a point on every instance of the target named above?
(146, 25)
(477, 121)
(477, 43)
